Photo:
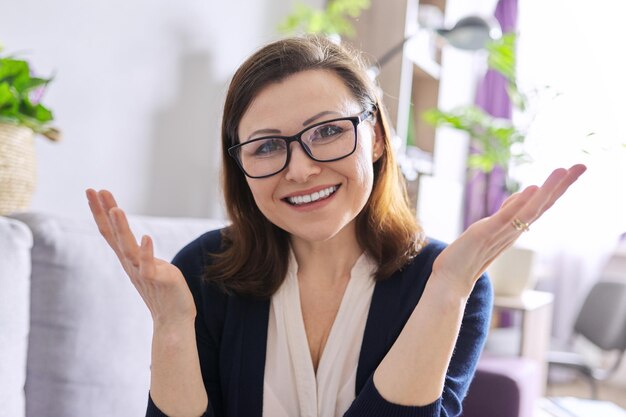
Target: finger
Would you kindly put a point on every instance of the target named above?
(529, 206)
(107, 199)
(552, 189)
(101, 218)
(515, 197)
(125, 237)
(572, 176)
(512, 206)
(147, 268)
(529, 209)
(502, 234)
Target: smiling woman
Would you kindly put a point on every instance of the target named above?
(323, 297)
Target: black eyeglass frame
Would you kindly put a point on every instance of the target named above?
(356, 120)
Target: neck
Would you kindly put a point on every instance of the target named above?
(326, 263)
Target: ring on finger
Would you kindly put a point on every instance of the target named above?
(520, 225)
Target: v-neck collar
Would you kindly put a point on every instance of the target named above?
(247, 398)
(316, 390)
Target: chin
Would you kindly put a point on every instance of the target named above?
(310, 234)
(315, 232)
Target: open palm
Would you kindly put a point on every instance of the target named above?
(160, 284)
(470, 255)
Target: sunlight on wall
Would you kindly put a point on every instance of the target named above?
(570, 53)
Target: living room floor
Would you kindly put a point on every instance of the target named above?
(580, 388)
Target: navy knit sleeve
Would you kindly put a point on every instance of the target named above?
(153, 410)
(472, 335)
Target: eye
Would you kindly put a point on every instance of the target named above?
(266, 147)
(328, 130)
(327, 133)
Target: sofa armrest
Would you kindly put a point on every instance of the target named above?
(15, 246)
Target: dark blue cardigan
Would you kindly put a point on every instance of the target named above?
(231, 333)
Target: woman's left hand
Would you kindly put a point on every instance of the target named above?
(465, 259)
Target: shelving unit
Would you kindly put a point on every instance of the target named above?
(422, 77)
(410, 81)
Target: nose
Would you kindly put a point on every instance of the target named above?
(301, 167)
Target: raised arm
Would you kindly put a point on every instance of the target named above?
(176, 385)
(413, 373)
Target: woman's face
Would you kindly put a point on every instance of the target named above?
(286, 108)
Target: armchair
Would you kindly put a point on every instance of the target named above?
(602, 321)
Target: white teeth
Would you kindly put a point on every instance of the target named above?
(318, 195)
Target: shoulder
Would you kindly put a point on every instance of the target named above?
(195, 254)
(194, 257)
(431, 249)
(421, 265)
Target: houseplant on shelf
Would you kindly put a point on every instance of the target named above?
(496, 141)
(496, 144)
(22, 116)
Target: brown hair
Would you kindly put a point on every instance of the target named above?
(254, 259)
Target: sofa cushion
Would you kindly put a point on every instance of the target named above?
(15, 244)
(89, 347)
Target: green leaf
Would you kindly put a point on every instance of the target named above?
(12, 68)
(6, 95)
(35, 82)
(480, 162)
(16, 83)
(37, 112)
(43, 114)
(331, 20)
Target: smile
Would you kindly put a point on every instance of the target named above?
(316, 196)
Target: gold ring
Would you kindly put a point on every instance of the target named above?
(520, 225)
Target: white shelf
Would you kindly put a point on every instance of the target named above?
(420, 51)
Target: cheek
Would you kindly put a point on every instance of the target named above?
(262, 192)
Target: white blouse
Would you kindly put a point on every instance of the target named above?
(291, 387)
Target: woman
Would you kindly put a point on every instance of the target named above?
(323, 298)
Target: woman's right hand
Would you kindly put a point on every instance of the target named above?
(160, 284)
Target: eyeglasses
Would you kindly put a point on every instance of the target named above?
(326, 141)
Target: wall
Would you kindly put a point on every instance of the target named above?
(138, 91)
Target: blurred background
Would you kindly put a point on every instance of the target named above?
(138, 89)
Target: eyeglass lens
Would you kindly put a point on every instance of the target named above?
(328, 141)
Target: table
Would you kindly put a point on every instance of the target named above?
(535, 308)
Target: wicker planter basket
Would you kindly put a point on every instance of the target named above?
(18, 170)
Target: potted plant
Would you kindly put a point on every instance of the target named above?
(333, 21)
(496, 141)
(496, 144)
(22, 116)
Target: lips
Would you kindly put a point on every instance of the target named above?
(322, 194)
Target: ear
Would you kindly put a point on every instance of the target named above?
(378, 147)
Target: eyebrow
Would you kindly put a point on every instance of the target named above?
(318, 115)
(305, 123)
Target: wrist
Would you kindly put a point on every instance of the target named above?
(169, 327)
(451, 289)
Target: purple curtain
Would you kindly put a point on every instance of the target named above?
(484, 194)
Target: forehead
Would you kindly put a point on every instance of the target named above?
(285, 105)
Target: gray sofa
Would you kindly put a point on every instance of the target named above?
(74, 334)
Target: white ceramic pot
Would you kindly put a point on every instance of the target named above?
(512, 272)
